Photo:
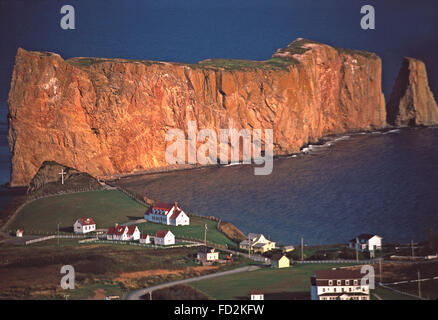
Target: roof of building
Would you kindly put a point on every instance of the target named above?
(364, 236)
(337, 274)
(119, 230)
(175, 213)
(86, 221)
(256, 291)
(163, 206)
(162, 233)
(144, 236)
(278, 256)
(260, 245)
(255, 236)
(205, 249)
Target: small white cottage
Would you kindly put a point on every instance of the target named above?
(19, 233)
(123, 233)
(257, 295)
(145, 239)
(164, 238)
(84, 225)
(366, 242)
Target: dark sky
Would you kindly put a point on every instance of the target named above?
(192, 30)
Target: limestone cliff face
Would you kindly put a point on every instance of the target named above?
(411, 102)
(110, 116)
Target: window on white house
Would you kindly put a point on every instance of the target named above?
(339, 282)
(330, 282)
(355, 282)
(347, 282)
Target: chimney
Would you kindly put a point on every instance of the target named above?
(176, 205)
(116, 225)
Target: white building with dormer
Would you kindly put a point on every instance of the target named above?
(84, 225)
(339, 285)
(167, 214)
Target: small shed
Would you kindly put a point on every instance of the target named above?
(280, 261)
(19, 233)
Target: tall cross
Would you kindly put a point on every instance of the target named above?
(62, 173)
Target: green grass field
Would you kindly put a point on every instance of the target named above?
(194, 231)
(105, 207)
(386, 294)
(288, 283)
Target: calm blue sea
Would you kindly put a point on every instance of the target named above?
(368, 183)
(383, 184)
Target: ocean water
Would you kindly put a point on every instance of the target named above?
(385, 184)
(365, 183)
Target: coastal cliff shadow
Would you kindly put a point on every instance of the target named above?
(283, 296)
(67, 229)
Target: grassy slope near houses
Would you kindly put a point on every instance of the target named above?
(194, 231)
(105, 207)
(33, 272)
(288, 283)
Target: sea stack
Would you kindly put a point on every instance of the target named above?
(412, 102)
(110, 116)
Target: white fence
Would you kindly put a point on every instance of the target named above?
(55, 236)
(372, 261)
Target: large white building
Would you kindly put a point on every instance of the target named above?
(366, 242)
(123, 233)
(167, 214)
(258, 243)
(338, 285)
(84, 225)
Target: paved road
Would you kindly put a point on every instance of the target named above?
(135, 295)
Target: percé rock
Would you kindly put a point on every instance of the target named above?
(110, 116)
(411, 102)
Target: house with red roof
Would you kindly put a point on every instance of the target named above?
(84, 225)
(164, 238)
(123, 233)
(145, 239)
(257, 295)
(167, 214)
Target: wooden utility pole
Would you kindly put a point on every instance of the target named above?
(419, 283)
(380, 269)
(58, 233)
(205, 235)
(412, 249)
(249, 247)
(302, 249)
(357, 249)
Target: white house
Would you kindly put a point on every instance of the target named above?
(19, 233)
(164, 238)
(145, 238)
(366, 242)
(84, 225)
(258, 243)
(123, 233)
(167, 214)
(338, 285)
(207, 254)
(257, 295)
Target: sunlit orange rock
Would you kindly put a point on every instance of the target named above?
(110, 116)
